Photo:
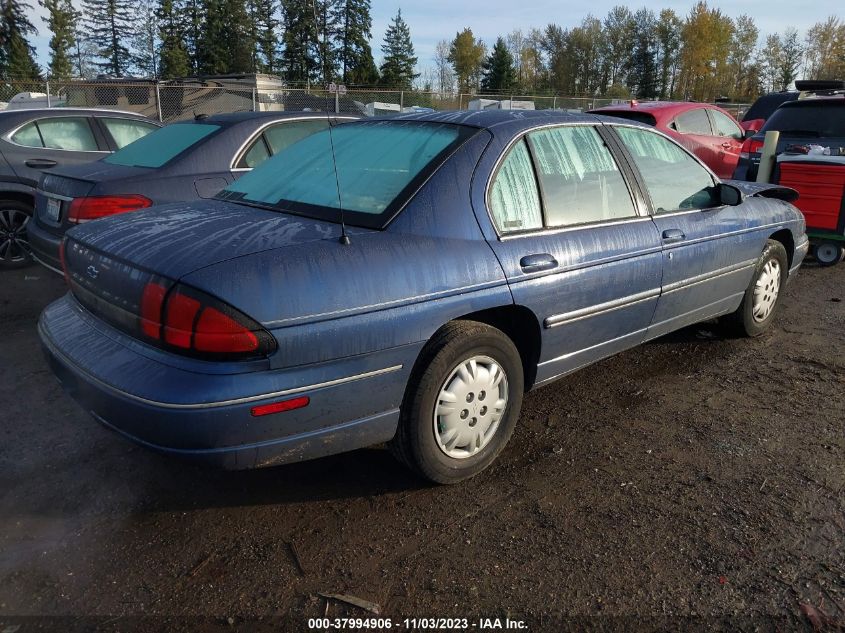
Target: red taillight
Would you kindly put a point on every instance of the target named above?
(279, 407)
(152, 301)
(216, 332)
(179, 324)
(750, 146)
(189, 320)
(93, 207)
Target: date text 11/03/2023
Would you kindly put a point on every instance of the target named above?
(418, 624)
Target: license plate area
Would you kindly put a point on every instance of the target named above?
(54, 209)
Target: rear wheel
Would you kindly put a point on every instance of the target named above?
(461, 404)
(762, 297)
(14, 244)
(828, 253)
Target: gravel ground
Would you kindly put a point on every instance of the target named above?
(696, 482)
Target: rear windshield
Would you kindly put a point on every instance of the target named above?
(379, 164)
(765, 105)
(642, 117)
(810, 120)
(159, 147)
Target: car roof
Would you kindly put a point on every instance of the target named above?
(232, 118)
(61, 109)
(488, 119)
(663, 108)
(826, 100)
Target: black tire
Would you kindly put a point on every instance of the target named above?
(828, 253)
(743, 321)
(415, 443)
(14, 245)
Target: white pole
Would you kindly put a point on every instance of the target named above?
(767, 156)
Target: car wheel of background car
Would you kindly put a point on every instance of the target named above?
(759, 305)
(14, 245)
(461, 404)
(828, 253)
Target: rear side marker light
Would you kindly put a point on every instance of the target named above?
(280, 407)
(93, 207)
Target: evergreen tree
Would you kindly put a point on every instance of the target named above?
(226, 43)
(328, 34)
(355, 57)
(173, 54)
(190, 14)
(145, 40)
(17, 56)
(499, 71)
(668, 47)
(790, 58)
(61, 20)
(299, 59)
(265, 35)
(397, 71)
(642, 69)
(110, 24)
(467, 55)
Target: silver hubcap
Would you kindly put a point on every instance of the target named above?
(766, 291)
(470, 407)
(14, 245)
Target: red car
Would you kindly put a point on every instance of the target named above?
(706, 130)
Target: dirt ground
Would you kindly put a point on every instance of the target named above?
(697, 482)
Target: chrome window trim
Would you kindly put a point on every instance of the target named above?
(8, 135)
(600, 308)
(242, 149)
(219, 403)
(553, 229)
(572, 227)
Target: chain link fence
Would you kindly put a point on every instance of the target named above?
(174, 101)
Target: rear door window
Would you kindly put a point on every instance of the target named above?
(68, 133)
(693, 122)
(579, 180)
(255, 155)
(126, 131)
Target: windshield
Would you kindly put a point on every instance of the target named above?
(379, 164)
(811, 120)
(159, 147)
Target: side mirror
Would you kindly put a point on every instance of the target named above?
(728, 195)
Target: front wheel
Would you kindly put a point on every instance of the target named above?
(828, 253)
(762, 297)
(461, 404)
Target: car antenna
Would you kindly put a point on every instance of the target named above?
(344, 238)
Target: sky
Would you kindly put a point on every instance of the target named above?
(433, 20)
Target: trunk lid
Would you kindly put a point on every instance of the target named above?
(110, 261)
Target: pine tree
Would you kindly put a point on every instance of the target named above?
(642, 68)
(355, 57)
(227, 41)
(173, 54)
(191, 16)
(61, 20)
(299, 58)
(328, 34)
(499, 71)
(265, 35)
(109, 25)
(145, 40)
(17, 56)
(790, 59)
(397, 71)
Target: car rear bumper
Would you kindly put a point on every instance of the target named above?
(119, 384)
(44, 246)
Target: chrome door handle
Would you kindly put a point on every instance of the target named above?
(673, 235)
(537, 262)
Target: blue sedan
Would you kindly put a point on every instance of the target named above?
(406, 280)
